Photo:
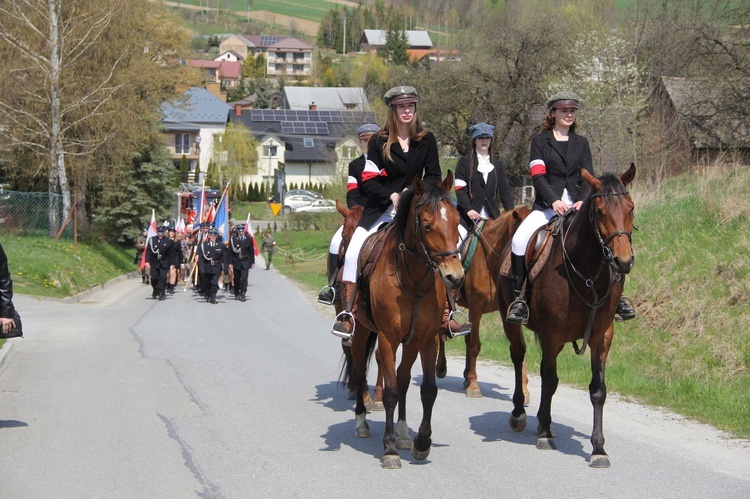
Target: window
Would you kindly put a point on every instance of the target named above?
(308, 142)
(182, 143)
(298, 57)
(270, 151)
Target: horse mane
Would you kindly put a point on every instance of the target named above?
(610, 184)
(434, 195)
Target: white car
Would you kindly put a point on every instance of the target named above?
(291, 203)
(318, 206)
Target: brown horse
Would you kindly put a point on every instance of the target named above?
(479, 293)
(404, 304)
(574, 297)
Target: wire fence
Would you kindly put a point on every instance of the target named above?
(33, 214)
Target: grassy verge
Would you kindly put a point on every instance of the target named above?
(689, 349)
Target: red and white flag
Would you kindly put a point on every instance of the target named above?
(249, 232)
(151, 233)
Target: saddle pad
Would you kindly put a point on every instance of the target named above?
(469, 245)
(537, 254)
(370, 252)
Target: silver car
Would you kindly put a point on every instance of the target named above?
(295, 201)
(318, 206)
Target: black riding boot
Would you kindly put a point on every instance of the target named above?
(518, 312)
(327, 295)
(625, 310)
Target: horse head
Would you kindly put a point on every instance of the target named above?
(611, 212)
(431, 228)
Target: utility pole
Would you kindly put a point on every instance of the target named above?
(343, 48)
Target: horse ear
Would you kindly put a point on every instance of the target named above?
(418, 186)
(590, 179)
(341, 208)
(448, 181)
(629, 175)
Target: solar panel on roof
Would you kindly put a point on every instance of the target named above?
(304, 127)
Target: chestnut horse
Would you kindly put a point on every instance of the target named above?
(479, 293)
(574, 297)
(404, 305)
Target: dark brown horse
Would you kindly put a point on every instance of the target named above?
(407, 296)
(479, 293)
(573, 298)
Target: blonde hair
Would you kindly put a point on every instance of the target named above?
(390, 130)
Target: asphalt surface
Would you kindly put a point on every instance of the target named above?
(113, 394)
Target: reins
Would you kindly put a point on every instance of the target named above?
(591, 281)
(429, 263)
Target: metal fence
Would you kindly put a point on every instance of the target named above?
(32, 213)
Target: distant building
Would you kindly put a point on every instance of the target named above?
(373, 39)
(189, 125)
(225, 73)
(285, 55)
(309, 146)
(434, 56)
(325, 98)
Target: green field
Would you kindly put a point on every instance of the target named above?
(310, 10)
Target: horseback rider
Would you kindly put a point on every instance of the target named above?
(402, 151)
(557, 154)
(353, 195)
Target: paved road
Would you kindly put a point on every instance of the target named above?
(119, 395)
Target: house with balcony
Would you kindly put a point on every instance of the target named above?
(189, 125)
(285, 56)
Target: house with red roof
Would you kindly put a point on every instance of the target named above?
(285, 55)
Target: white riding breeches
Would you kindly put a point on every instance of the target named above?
(355, 245)
(336, 241)
(530, 224)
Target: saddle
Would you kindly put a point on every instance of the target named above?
(538, 249)
(368, 258)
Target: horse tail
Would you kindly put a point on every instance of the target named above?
(346, 369)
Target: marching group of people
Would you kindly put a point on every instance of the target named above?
(205, 259)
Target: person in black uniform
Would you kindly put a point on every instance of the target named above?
(214, 258)
(176, 259)
(480, 181)
(6, 296)
(159, 255)
(241, 260)
(200, 238)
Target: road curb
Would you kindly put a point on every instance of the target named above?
(7, 353)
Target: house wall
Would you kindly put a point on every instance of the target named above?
(234, 43)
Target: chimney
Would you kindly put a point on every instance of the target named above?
(238, 109)
(313, 106)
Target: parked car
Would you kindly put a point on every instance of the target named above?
(304, 192)
(318, 206)
(294, 201)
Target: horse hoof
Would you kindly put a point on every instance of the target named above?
(419, 455)
(545, 443)
(390, 462)
(517, 424)
(404, 443)
(352, 395)
(472, 390)
(378, 406)
(599, 461)
(362, 432)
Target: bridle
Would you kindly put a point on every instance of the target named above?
(426, 258)
(607, 257)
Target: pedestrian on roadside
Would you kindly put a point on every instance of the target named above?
(268, 247)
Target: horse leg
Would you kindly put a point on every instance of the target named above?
(598, 395)
(377, 404)
(358, 379)
(473, 347)
(544, 432)
(423, 442)
(390, 459)
(408, 357)
(517, 418)
(441, 367)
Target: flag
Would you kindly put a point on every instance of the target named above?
(221, 218)
(180, 225)
(151, 233)
(249, 232)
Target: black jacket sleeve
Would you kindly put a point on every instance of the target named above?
(6, 287)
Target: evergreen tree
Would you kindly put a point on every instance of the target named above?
(184, 169)
(396, 46)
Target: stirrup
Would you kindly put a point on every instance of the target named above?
(464, 330)
(324, 294)
(344, 334)
(525, 318)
